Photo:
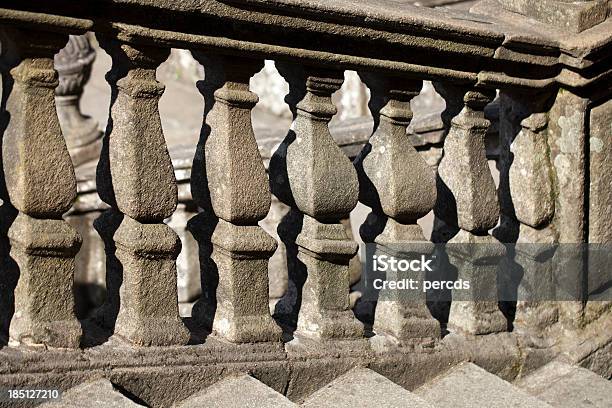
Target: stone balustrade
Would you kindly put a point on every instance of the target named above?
(548, 80)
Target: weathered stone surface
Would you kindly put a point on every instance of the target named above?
(364, 387)
(526, 190)
(392, 175)
(309, 153)
(567, 138)
(229, 183)
(531, 175)
(424, 41)
(600, 174)
(148, 310)
(43, 252)
(163, 376)
(33, 142)
(528, 202)
(242, 391)
(95, 394)
(565, 386)
(325, 251)
(310, 173)
(468, 386)
(135, 171)
(476, 258)
(466, 191)
(468, 207)
(572, 15)
(41, 185)
(135, 177)
(242, 313)
(399, 186)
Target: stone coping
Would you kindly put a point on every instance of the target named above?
(488, 45)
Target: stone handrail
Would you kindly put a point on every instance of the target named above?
(394, 46)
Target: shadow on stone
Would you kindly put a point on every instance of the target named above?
(105, 316)
(287, 308)
(202, 227)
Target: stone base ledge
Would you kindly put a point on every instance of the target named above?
(162, 375)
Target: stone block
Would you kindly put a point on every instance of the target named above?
(242, 391)
(566, 386)
(568, 15)
(362, 387)
(467, 386)
(96, 394)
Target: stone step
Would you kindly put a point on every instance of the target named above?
(242, 391)
(96, 394)
(565, 386)
(362, 387)
(467, 386)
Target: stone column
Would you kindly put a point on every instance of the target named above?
(399, 186)
(568, 139)
(41, 185)
(135, 177)
(73, 63)
(567, 15)
(467, 200)
(230, 183)
(310, 173)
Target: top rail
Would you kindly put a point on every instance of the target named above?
(488, 46)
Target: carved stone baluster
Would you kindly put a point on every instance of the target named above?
(135, 177)
(467, 199)
(310, 173)
(41, 185)
(73, 63)
(232, 188)
(400, 187)
(526, 195)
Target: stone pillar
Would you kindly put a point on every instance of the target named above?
(399, 187)
(135, 177)
(467, 200)
(568, 140)
(567, 15)
(73, 63)
(41, 185)
(310, 173)
(229, 182)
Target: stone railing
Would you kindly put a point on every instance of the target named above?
(549, 70)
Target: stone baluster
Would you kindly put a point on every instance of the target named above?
(310, 173)
(41, 185)
(399, 186)
(73, 63)
(135, 177)
(527, 205)
(231, 185)
(467, 200)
